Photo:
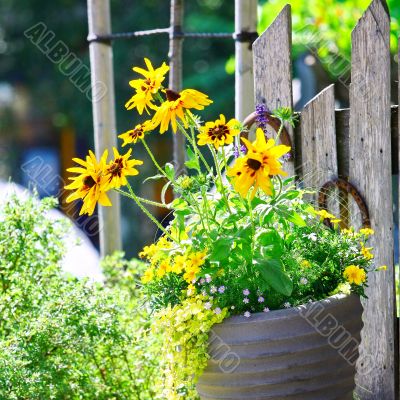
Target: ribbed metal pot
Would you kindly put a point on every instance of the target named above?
(301, 353)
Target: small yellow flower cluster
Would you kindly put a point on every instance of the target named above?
(355, 275)
(162, 263)
(326, 215)
(366, 252)
(185, 328)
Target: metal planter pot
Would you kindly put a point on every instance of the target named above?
(301, 353)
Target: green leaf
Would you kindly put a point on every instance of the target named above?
(271, 244)
(170, 171)
(294, 217)
(154, 177)
(193, 161)
(273, 275)
(164, 191)
(221, 249)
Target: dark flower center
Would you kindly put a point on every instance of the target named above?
(136, 133)
(116, 168)
(254, 164)
(218, 132)
(171, 95)
(89, 182)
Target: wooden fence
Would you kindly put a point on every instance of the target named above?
(359, 145)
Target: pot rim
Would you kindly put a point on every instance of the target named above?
(261, 317)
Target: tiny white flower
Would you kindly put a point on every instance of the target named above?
(246, 300)
(246, 292)
(217, 311)
(266, 309)
(213, 289)
(247, 314)
(261, 299)
(313, 237)
(233, 307)
(208, 278)
(204, 293)
(202, 281)
(287, 305)
(207, 305)
(303, 281)
(221, 289)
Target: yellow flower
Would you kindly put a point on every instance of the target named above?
(90, 184)
(382, 268)
(190, 274)
(256, 167)
(178, 264)
(366, 231)
(366, 252)
(120, 168)
(349, 232)
(148, 275)
(219, 133)
(355, 274)
(162, 269)
(133, 135)
(148, 251)
(305, 263)
(197, 259)
(146, 88)
(191, 290)
(175, 105)
(326, 215)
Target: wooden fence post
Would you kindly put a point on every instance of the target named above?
(103, 103)
(245, 21)
(175, 74)
(370, 172)
(273, 68)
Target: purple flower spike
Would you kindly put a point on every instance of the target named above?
(236, 152)
(261, 117)
(243, 149)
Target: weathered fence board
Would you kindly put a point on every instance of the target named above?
(370, 172)
(273, 67)
(318, 140)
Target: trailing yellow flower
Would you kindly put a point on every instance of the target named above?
(382, 268)
(175, 106)
(148, 251)
(135, 134)
(121, 167)
(256, 167)
(162, 269)
(366, 252)
(146, 88)
(178, 264)
(355, 275)
(219, 133)
(305, 263)
(90, 184)
(191, 273)
(197, 259)
(366, 232)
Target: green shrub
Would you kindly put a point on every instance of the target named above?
(63, 338)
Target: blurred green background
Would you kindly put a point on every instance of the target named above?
(43, 114)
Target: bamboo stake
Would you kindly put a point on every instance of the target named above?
(175, 75)
(245, 21)
(103, 100)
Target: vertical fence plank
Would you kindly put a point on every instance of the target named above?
(273, 67)
(318, 140)
(245, 21)
(103, 105)
(370, 172)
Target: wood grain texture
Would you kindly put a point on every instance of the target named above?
(273, 67)
(318, 140)
(370, 172)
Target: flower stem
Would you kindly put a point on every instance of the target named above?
(279, 131)
(154, 159)
(195, 148)
(148, 214)
(143, 200)
(214, 154)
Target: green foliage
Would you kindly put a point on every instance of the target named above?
(63, 338)
(324, 28)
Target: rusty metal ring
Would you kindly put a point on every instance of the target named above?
(345, 187)
(274, 123)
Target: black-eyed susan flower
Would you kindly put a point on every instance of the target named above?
(121, 167)
(135, 134)
(176, 105)
(146, 88)
(90, 184)
(258, 165)
(355, 275)
(218, 133)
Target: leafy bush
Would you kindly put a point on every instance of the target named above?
(63, 338)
